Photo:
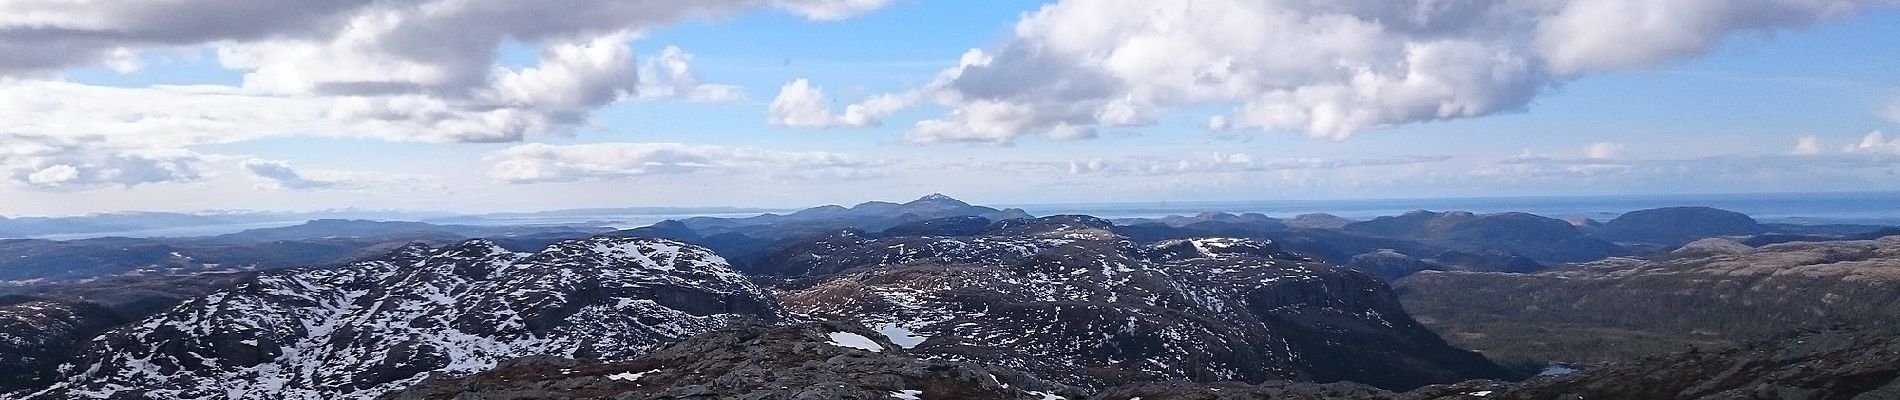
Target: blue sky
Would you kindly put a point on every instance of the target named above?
(1719, 107)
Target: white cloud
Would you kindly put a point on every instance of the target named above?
(671, 75)
(800, 104)
(53, 176)
(1233, 162)
(402, 70)
(831, 9)
(53, 163)
(1875, 142)
(348, 45)
(279, 175)
(536, 162)
(156, 117)
(1807, 145)
(1328, 69)
(1603, 150)
(1601, 35)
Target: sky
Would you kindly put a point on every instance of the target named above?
(498, 105)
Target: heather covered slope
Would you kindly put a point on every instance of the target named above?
(1711, 293)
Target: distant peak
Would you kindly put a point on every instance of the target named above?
(938, 198)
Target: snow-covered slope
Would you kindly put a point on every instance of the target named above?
(1068, 300)
(372, 327)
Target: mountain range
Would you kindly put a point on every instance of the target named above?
(936, 298)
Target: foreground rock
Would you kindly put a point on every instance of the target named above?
(1279, 390)
(843, 361)
(1068, 300)
(372, 327)
(805, 361)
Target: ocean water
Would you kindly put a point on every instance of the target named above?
(1882, 208)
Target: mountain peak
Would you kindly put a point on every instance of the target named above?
(939, 198)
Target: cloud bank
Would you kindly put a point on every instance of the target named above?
(536, 162)
(1325, 68)
(402, 70)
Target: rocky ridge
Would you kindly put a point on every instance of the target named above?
(1069, 300)
(372, 327)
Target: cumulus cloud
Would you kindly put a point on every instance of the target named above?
(46, 35)
(1599, 35)
(672, 76)
(434, 43)
(1325, 68)
(1603, 150)
(406, 69)
(800, 104)
(1807, 145)
(55, 163)
(537, 162)
(1875, 142)
(401, 70)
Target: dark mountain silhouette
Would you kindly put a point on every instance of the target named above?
(1544, 240)
(1674, 226)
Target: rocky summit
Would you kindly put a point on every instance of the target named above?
(1068, 300)
(373, 327)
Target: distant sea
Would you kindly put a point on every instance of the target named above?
(1879, 208)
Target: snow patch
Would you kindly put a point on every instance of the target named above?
(1557, 370)
(855, 341)
(631, 376)
(902, 336)
(906, 394)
